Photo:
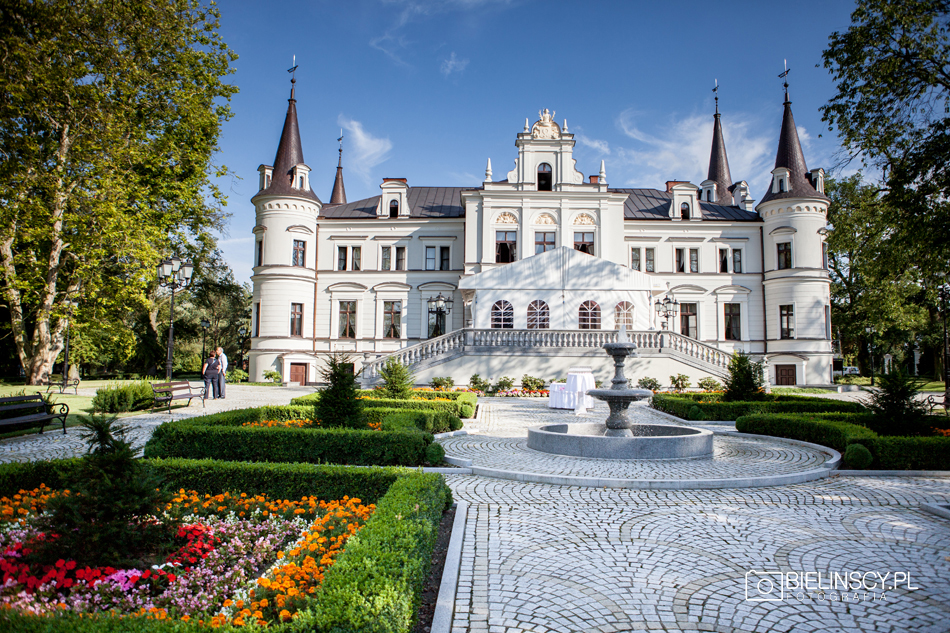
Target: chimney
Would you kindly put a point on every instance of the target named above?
(672, 183)
(594, 180)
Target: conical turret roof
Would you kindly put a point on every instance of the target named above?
(289, 155)
(719, 164)
(339, 191)
(790, 157)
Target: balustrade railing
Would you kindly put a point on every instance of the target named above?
(653, 341)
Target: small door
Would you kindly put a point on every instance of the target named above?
(785, 375)
(298, 373)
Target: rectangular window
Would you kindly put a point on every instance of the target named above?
(387, 258)
(506, 247)
(257, 319)
(392, 319)
(400, 258)
(828, 322)
(786, 318)
(300, 253)
(694, 260)
(635, 258)
(357, 258)
(584, 242)
(824, 255)
(680, 261)
(737, 261)
(445, 262)
(347, 319)
(650, 260)
(543, 242)
(260, 252)
(784, 255)
(430, 257)
(723, 260)
(296, 319)
(732, 318)
(341, 258)
(688, 320)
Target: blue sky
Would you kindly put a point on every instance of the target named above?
(429, 89)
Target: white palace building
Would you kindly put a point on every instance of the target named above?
(533, 272)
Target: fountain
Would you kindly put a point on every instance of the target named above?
(618, 437)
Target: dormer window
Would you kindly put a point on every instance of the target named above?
(709, 195)
(394, 208)
(545, 177)
(781, 185)
(301, 183)
(684, 210)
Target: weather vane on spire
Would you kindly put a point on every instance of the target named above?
(293, 76)
(716, 90)
(784, 76)
(340, 141)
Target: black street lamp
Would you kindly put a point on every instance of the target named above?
(72, 304)
(439, 306)
(205, 324)
(243, 331)
(173, 273)
(944, 293)
(870, 331)
(666, 309)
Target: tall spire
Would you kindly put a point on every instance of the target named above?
(718, 161)
(339, 192)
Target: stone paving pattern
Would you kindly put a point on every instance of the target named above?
(542, 558)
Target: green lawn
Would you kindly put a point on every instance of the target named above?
(786, 390)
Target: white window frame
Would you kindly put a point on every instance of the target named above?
(381, 298)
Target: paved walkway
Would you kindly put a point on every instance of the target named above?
(541, 558)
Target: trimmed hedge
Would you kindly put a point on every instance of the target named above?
(188, 440)
(426, 421)
(680, 405)
(376, 581)
(839, 431)
(461, 403)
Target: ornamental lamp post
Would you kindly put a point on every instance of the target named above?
(667, 309)
(944, 293)
(72, 304)
(243, 331)
(870, 331)
(205, 324)
(174, 274)
(439, 306)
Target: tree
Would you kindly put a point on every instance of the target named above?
(745, 380)
(339, 403)
(110, 113)
(398, 380)
(891, 110)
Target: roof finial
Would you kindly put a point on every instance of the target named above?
(716, 90)
(526, 128)
(603, 173)
(293, 77)
(488, 171)
(340, 141)
(784, 76)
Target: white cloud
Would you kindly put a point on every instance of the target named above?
(680, 150)
(601, 147)
(453, 65)
(365, 150)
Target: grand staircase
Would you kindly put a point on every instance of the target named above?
(446, 348)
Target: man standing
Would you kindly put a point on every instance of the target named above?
(221, 371)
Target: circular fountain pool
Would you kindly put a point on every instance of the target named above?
(639, 441)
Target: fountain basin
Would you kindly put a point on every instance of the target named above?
(640, 441)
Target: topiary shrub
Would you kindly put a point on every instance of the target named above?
(895, 407)
(397, 380)
(857, 456)
(679, 382)
(530, 383)
(649, 383)
(709, 384)
(744, 382)
(120, 398)
(443, 382)
(435, 453)
(505, 383)
(272, 375)
(339, 403)
(477, 383)
(696, 414)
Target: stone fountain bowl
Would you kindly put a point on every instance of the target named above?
(645, 441)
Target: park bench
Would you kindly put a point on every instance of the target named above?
(933, 402)
(32, 409)
(166, 392)
(62, 384)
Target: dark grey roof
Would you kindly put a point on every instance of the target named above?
(653, 204)
(790, 156)
(719, 162)
(424, 202)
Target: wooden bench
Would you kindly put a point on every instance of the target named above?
(62, 384)
(166, 392)
(30, 410)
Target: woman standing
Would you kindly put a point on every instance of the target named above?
(210, 374)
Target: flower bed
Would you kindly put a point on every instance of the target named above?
(522, 393)
(212, 574)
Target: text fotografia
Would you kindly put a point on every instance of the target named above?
(853, 586)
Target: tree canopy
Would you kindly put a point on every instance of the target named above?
(110, 115)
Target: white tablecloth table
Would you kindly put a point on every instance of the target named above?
(578, 385)
(558, 396)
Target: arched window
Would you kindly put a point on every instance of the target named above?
(545, 177)
(684, 210)
(502, 316)
(394, 208)
(623, 314)
(781, 185)
(539, 316)
(588, 316)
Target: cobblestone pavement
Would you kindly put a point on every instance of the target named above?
(541, 558)
(53, 444)
(503, 446)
